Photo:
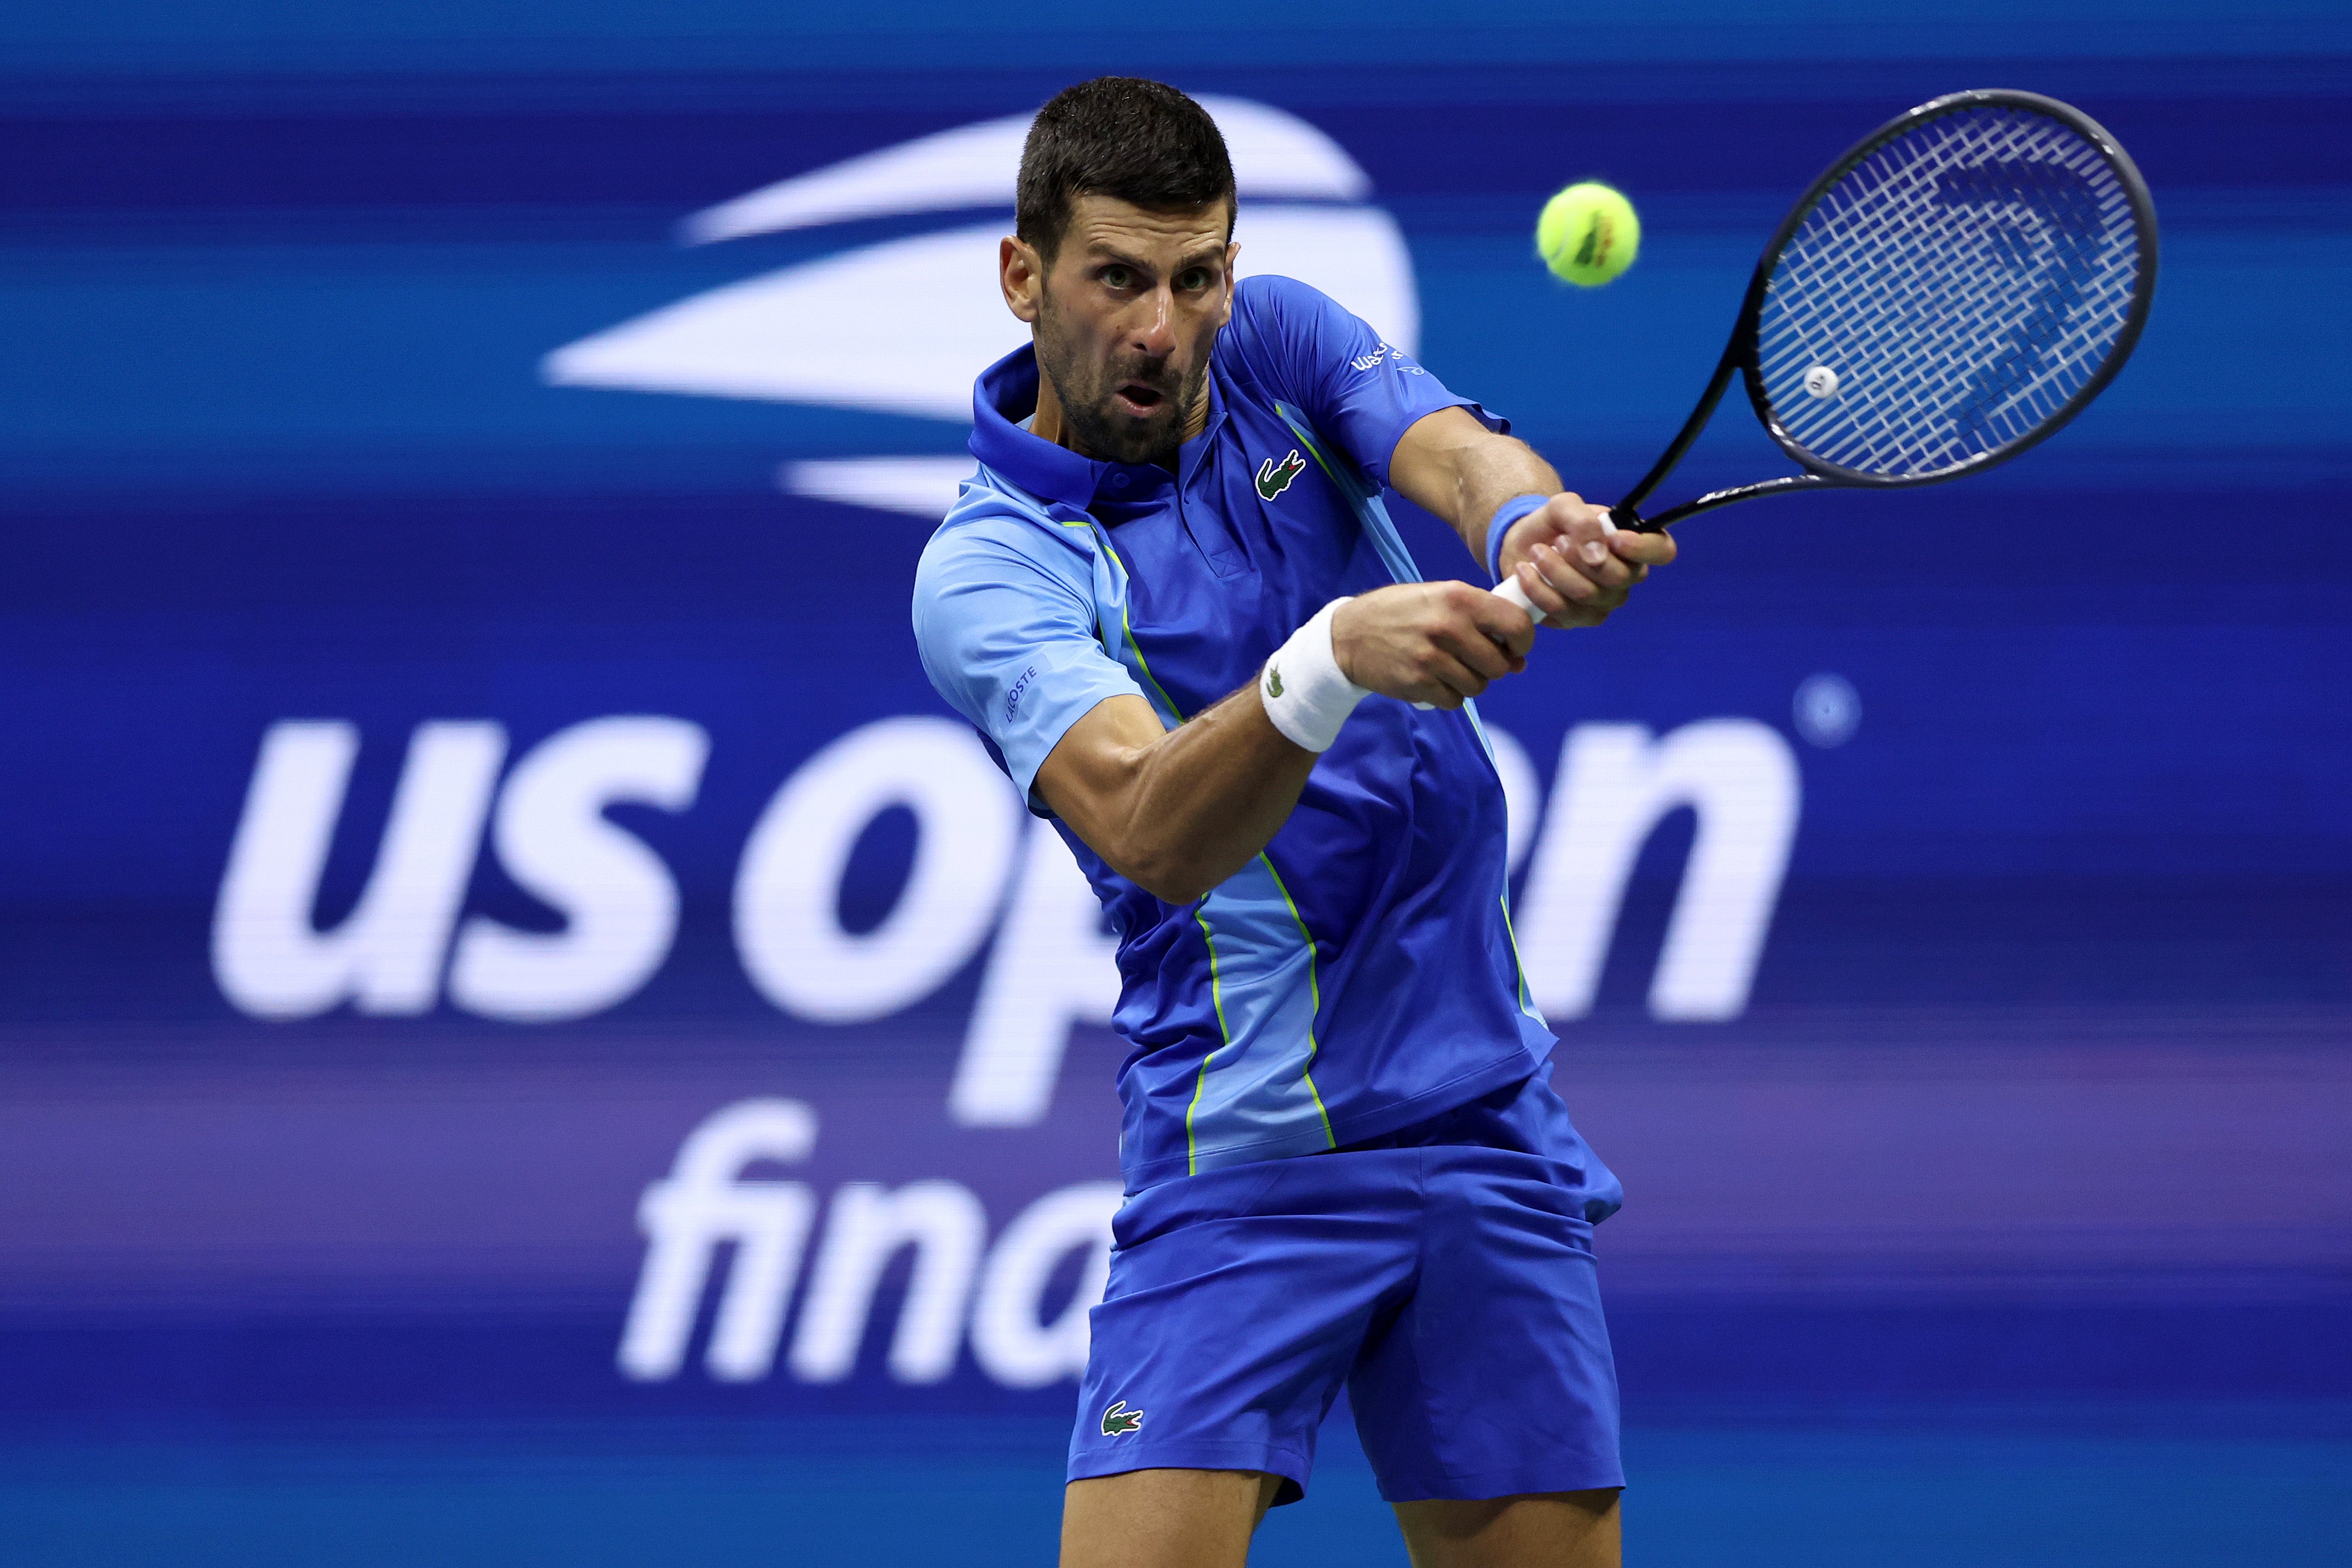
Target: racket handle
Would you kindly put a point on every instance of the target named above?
(1510, 593)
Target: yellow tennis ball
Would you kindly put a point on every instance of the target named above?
(1588, 234)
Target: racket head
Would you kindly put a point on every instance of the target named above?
(1969, 275)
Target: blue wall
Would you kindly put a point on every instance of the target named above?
(2020, 1159)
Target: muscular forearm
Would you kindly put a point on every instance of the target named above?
(1571, 565)
(1489, 474)
(1451, 465)
(1178, 813)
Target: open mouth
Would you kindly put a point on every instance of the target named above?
(1138, 399)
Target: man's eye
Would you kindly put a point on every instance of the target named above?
(1116, 277)
(1192, 277)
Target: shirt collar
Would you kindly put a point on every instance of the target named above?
(1007, 391)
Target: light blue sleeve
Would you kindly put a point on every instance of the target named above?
(1006, 631)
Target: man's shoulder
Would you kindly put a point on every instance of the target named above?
(994, 526)
(1264, 292)
(1285, 335)
(991, 508)
(1267, 310)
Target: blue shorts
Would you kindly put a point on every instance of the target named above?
(1445, 1274)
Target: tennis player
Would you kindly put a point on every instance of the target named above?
(1171, 602)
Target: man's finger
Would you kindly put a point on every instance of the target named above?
(1580, 616)
(1476, 645)
(1609, 572)
(1497, 620)
(1643, 548)
(1448, 682)
(1567, 579)
(1582, 524)
(1550, 602)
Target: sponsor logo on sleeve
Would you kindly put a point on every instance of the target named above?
(1020, 689)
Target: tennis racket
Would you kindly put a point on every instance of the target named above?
(1957, 287)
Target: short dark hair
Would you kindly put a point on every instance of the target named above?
(1140, 141)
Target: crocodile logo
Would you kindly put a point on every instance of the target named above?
(1118, 1420)
(1273, 682)
(1273, 478)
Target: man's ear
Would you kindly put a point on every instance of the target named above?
(1233, 256)
(1022, 276)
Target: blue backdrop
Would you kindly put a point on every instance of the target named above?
(529, 1037)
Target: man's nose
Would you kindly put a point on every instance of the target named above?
(1155, 328)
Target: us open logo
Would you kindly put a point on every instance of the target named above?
(839, 332)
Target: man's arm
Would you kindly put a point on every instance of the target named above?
(1572, 567)
(1178, 811)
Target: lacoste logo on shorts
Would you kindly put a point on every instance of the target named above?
(1273, 478)
(1118, 1420)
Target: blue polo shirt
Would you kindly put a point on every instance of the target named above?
(1358, 976)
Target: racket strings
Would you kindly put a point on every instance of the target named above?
(1962, 283)
(1921, 285)
(1908, 283)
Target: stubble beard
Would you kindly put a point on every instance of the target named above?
(1098, 427)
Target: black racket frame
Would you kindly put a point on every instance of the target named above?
(1740, 355)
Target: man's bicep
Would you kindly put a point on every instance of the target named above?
(1085, 780)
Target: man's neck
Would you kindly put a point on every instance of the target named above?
(1048, 424)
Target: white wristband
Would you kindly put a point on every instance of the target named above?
(1301, 686)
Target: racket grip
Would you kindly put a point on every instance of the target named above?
(1510, 593)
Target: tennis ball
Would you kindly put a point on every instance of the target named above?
(1588, 234)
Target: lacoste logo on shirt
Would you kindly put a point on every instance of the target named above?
(1118, 1420)
(1012, 697)
(1272, 478)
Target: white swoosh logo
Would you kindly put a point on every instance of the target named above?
(1273, 153)
(903, 326)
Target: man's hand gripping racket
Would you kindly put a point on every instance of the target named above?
(1579, 568)
(1959, 285)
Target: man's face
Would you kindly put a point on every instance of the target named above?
(1125, 320)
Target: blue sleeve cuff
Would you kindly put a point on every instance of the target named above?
(1510, 512)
